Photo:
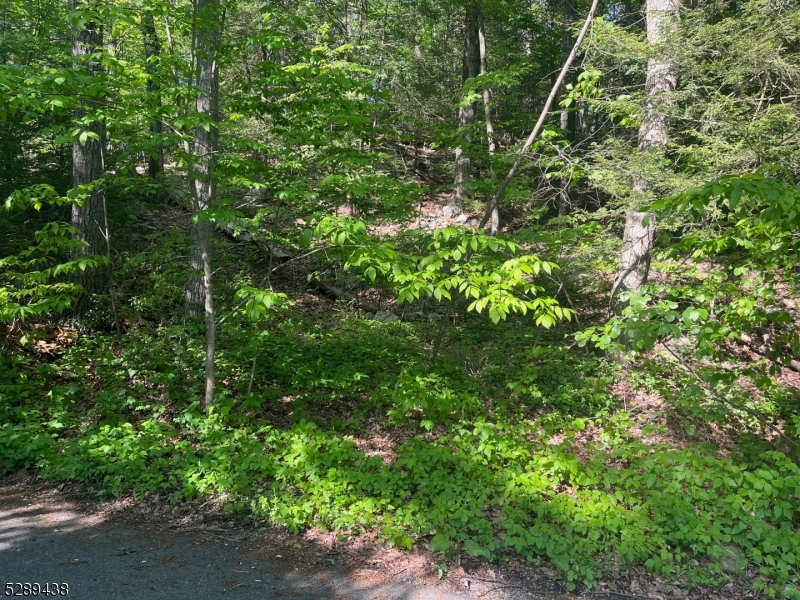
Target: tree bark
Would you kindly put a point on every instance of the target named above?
(527, 34)
(87, 167)
(661, 79)
(638, 239)
(466, 114)
(199, 288)
(568, 115)
(152, 54)
(487, 115)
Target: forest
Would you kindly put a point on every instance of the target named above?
(509, 280)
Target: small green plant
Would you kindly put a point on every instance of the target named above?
(32, 283)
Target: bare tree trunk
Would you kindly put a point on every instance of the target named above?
(487, 115)
(634, 260)
(87, 167)
(198, 288)
(527, 34)
(466, 114)
(638, 238)
(152, 53)
(568, 119)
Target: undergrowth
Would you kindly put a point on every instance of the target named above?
(498, 465)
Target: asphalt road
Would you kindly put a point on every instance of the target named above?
(106, 559)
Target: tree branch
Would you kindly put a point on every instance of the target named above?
(545, 109)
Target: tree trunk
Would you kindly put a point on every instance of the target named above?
(198, 288)
(527, 34)
(152, 54)
(487, 115)
(634, 260)
(87, 166)
(661, 79)
(568, 116)
(638, 239)
(466, 114)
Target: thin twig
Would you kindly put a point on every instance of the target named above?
(252, 375)
(537, 128)
(442, 326)
(500, 587)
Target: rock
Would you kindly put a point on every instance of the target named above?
(732, 559)
(384, 316)
(278, 253)
(242, 235)
(178, 196)
(450, 211)
(254, 195)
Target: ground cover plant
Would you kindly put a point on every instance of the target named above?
(264, 257)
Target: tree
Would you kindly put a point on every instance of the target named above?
(471, 65)
(152, 55)
(206, 137)
(89, 215)
(568, 117)
(487, 115)
(639, 235)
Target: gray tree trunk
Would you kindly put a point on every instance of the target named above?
(466, 114)
(661, 78)
(638, 238)
(198, 288)
(487, 115)
(527, 34)
(568, 116)
(87, 166)
(152, 53)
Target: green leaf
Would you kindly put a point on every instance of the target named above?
(440, 543)
(477, 550)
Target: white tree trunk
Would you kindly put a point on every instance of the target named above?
(487, 115)
(638, 239)
(567, 115)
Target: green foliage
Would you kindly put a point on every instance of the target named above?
(493, 273)
(429, 398)
(553, 377)
(487, 487)
(754, 222)
(258, 304)
(32, 282)
(511, 442)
